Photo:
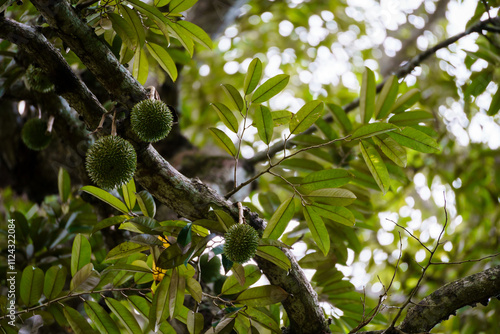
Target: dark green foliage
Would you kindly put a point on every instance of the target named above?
(111, 162)
(38, 80)
(34, 134)
(151, 120)
(241, 243)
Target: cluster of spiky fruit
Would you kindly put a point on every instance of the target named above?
(151, 120)
(34, 134)
(38, 80)
(241, 243)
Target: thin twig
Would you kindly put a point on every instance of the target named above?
(467, 261)
(411, 234)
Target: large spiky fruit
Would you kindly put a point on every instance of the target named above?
(151, 120)
(241, 243)
(38, 80)
(111, 162)
(34, 134)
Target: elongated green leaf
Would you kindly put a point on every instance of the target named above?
(129, 194)
(274, 255)
(140, 304)
(280, 219)
(306, 116)
(234, 97)
(262, 316)
(176, 6)
(195, 322)
(80, 254)
(106, 197)
(163, 58)
(176, 293)
(225, 219)
(77, 322)
(227, 117)
(411, 118)
(301, 164)
(376, 165)
(146, 203)
(182, 35)
(31, 285)
(262, 295)
(387, 97)
(135, 23)
(140, 71)
(125, 249)
(340, 117)
(318, 229)
(270, 88)
(100, 318)
(392, 150)
(405, 101)
(328, 178)
(198, 34)
(109, 222)
(55, 278)
(159, 306)
(223, 141)
(372, 129)
(129, 267)
(281, 117)
(495, 104)
(336, 213)
(64, 184)
(85, 279)
(194, 288)
(252, 78)
(263, 121)
(332, 196)
(124, 315)
(125, 30)
(416, 140)
(232, 286)
(146, 224)
(239, 273)
(367, 96)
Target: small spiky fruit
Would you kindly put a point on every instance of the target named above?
(34, 134)
(38, 80)
(151, 120)
(111, 162)
(241, 243)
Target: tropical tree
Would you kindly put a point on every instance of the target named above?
(277, 180)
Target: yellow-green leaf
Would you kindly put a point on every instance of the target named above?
(328, 178)
(80, 254)
(198, 34)
(64, 184)
(270, 88)
(415, 139)
(106, 197)
(134, 22)
(129, 194)
(411, 118)
(278, 222)
(234, 96)
(125, 30)
(232, 286)
(163, 58)
(195, 322)
(194, 288)
(77, 322)
(100, 318)
(158, 311)
(387, 97)
(146, 203)
(85, 279)
(274, 255)
(223, 141)
(405, 101)
(372, 129)
(338, 214)
(124, 316)
(367, 96)
(125, 249)
(318, 229)
(31, 285)
(392, 150)
(226, 116)
(55, 278)
(176, 293)
(340, 116)
(332, 196)
(376, 165)
(140, 71)
(262, 295)
(263, 121)
(306, 116)
(252, 78)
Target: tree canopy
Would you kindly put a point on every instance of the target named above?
(298, 166)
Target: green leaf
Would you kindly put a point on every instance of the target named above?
(411, 118)
(184, 237)
(159, 306)
(392, 150)
(106, 197)
(64, 184)
(387, 97)
(274, 255)
(55, 278)
(125, 249)
(140, 304)
(416, 140)
(140, 70)
(227, 117)
(85, 279)
(232, 286)
(336, 213)
(405, 101)
(129, 194)
(195, 322)
(301, 164)
(145, 224)
(495, 103)
(262, 295)
(146, 203)
(264, 318)
(332, 196)
(198, 34)
(163, 58)
(109, 222)
(270, 88)
(181, 34)
(224, 219)
(80, 254)
(77, 322)
(177, 6)
(234, 97)
(194, 288)
(306, 116)
(328, 178)
(125, 30)
(176, 293)
(223, 141)
(372, 129)
(263, 121)
(280, 219)
(126, 318)
(252, 78)
(367, 96)
(376, 165)
(31, 285)
(318, 229)
(134, 21)
(281, 117)
(129, 267)
(100, 318)
(340, 116)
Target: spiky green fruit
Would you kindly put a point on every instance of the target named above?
(111, 162)
(151, 120)
(34, 134)
(241, 243)
(38, 80)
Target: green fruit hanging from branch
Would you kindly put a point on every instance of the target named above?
(241, 243)
(38, 80)
(34, 134)
(151, 120)
(111, 162)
